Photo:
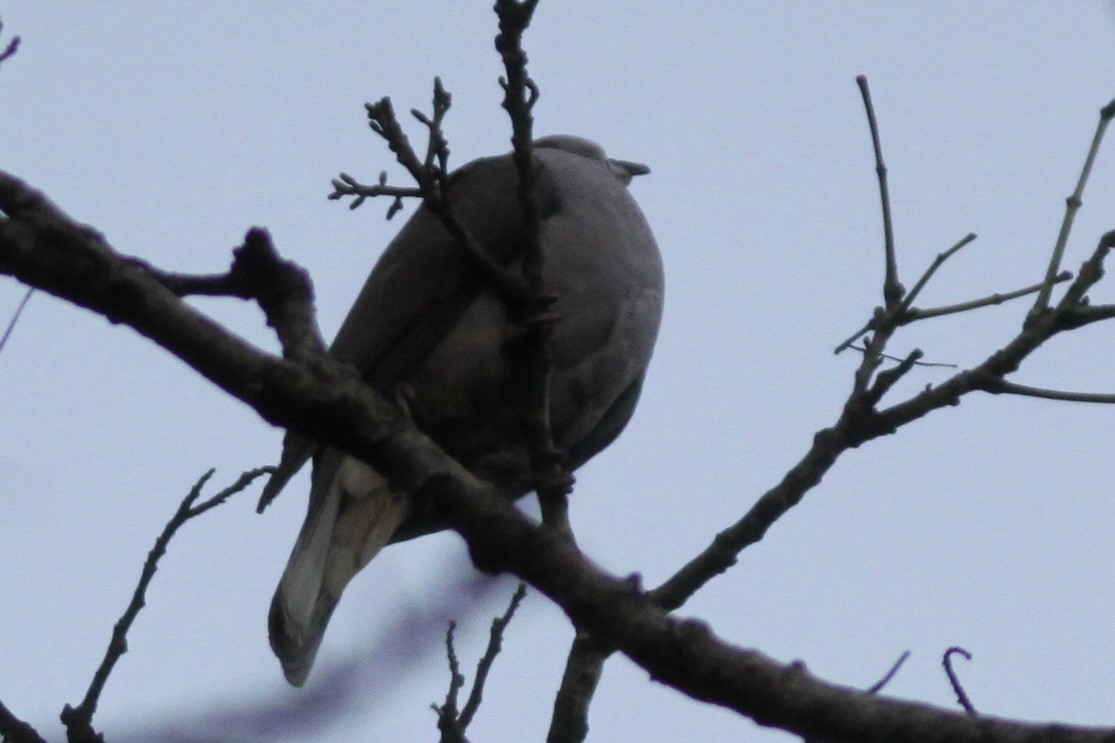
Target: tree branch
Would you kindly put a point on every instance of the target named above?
(79, 720)
(1072, 206)
(73, 263)
(892, 287)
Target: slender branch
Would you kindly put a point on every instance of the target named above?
(11, 48)
(447, 717)
(1003, 387)
(908, 299)
(958, 689)
(520, 95)
(432, 183)
(451, 723)
(900, 314)
(892, 287)
(1072, 206)
(495, 645)
(878, 685)
(914, 314)
(859, 423)
(345, 185)
(927, 364)
(78, 720)
(15, 317)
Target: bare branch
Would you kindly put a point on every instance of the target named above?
(939, 261)
(11, 48)
(78, 720)
(878, 685)
(432, 184)
(958, 689)
(1072, 206)
(892, 287)
(520, 95)
(927, 364)
(345, 185)
(451, 723)
(900, 314)
(1003, 387)
(914, 314)
(448, 723)
(859, 423)
(495, 644)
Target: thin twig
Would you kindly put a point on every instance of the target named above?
(888, 357)
(876, 687)
(939, 261)
(886, 379)
(961, 696)
(11, 48)
(1072, 206)
(900, 314)
(78, 720)
(914, 314)
(431, 183)
(345, 185)
(451, 723)
(15, 317)
(892, 287)
(520, 95)
(495, 645)
(448, 722)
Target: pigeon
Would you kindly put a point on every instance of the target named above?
(430, 328)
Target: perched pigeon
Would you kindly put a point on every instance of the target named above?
(429, 324)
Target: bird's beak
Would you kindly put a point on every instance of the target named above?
(625, 170)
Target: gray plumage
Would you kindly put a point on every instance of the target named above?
(426, 320)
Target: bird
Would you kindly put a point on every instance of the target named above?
(432, 329)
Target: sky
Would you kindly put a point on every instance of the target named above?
(174, 127)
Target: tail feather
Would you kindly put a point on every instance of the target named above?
(344, 530)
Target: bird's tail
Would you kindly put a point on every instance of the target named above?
(344, 529)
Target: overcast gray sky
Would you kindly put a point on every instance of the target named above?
(173, 127)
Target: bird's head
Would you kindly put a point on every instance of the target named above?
(624, 170)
